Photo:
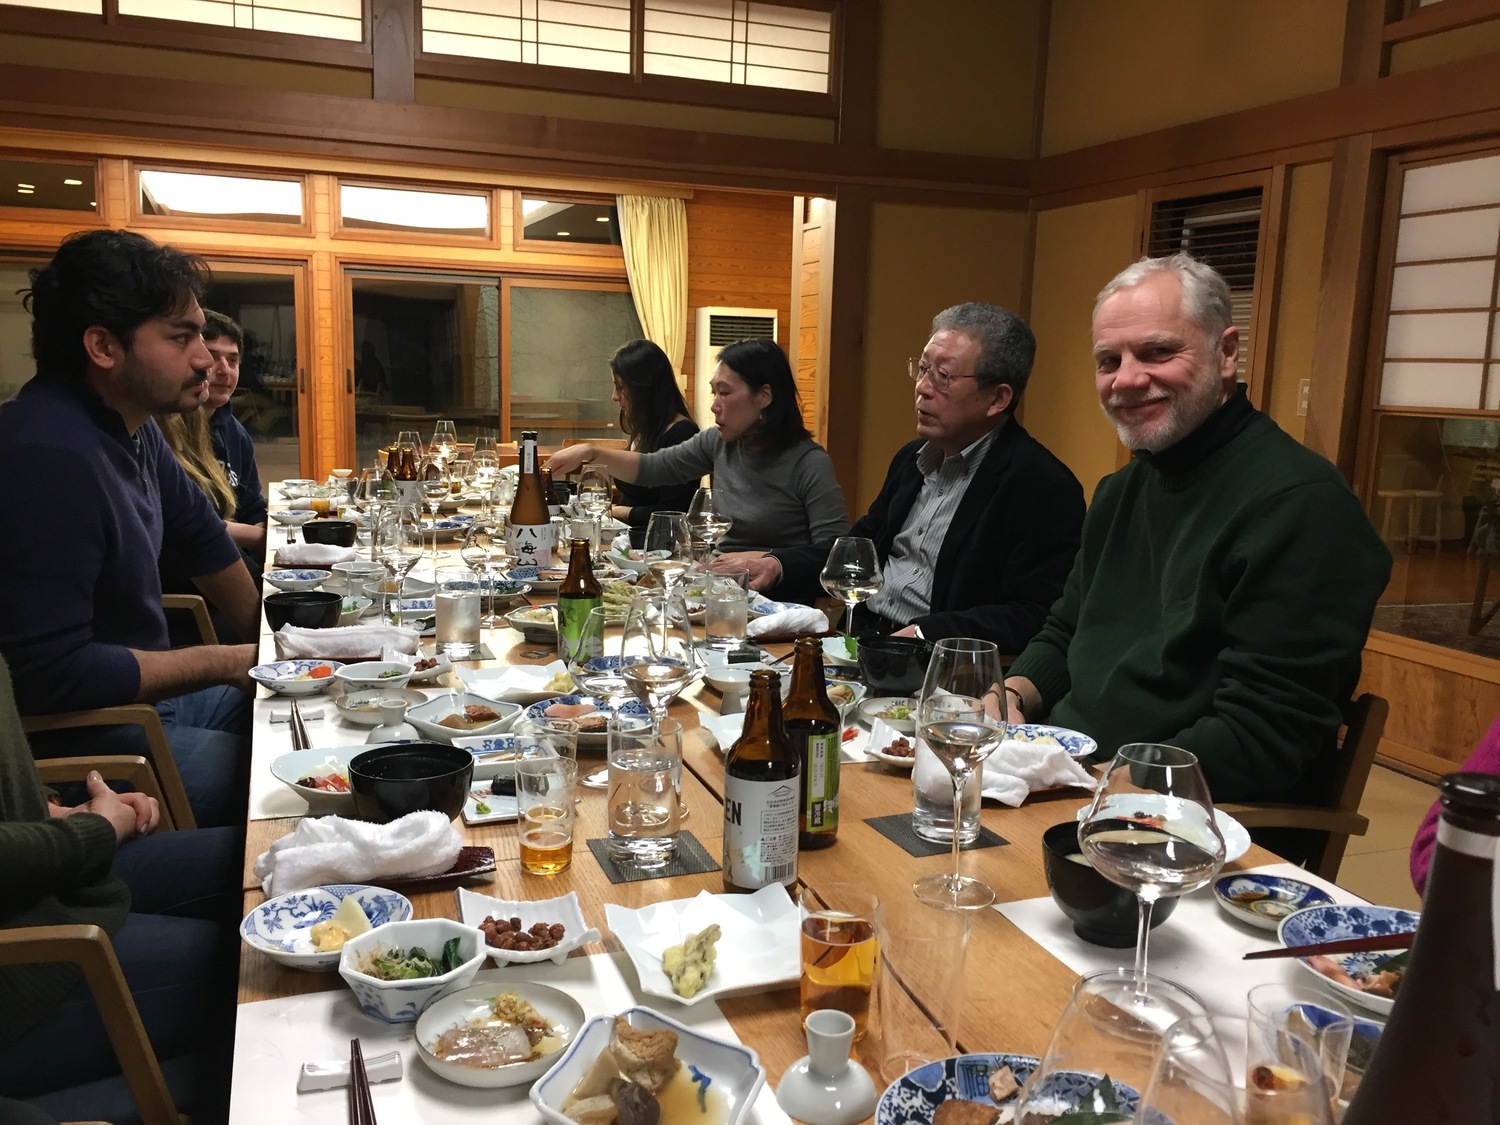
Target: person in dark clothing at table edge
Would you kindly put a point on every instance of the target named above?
(977, 524)
(1227, 576)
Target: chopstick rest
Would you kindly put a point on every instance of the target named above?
(282, 713)
(332, 1075)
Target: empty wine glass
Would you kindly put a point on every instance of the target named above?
(668, 547)
(657, 655)
(435, 490)
(852, 573)
(595, 492)
(480, 475)
(486, 553)
(410, 439)
(952, 720)
(1191, 1080)
(707, 522)
(444, 443)
(1151, 829)
(398, 544)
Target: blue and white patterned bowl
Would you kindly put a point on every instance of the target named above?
(1075, 744)
(591, 733)
(1339, 923)
(297, 579)
(914, 1097)
(446, 528)
(402, 1001)
(282, 676)
(281, 928)
(542, 580)
(494, 755)
(1264, 900)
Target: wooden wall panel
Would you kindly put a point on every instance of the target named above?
(740, 255)
(1442, 701)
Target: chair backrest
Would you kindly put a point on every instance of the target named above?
(1364, 724)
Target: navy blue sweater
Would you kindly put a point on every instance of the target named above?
(99, 503)
(236, 452)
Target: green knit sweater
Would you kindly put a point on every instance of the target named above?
(1220, 601)
(53, 870)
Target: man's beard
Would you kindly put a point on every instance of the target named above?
(1186, 411)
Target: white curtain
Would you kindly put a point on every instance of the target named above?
(654, 231)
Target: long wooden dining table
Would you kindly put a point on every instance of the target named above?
(1014, 989)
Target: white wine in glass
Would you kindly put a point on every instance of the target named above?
(707, 522)
(668, 545)
(852, 573)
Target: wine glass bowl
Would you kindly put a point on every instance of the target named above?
(708, 523)
(397, 539)
(852, 573)
(668, 547)
(1102, 912)
(595, 492)
(658, 656)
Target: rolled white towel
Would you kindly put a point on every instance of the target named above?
(314, 554)
(331, 849)
(348, 642)
(803, 619)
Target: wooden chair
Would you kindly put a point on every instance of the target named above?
(143, 715)
(194, 604)
(89, 948)
(1366, 722)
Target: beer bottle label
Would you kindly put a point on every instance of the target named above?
(760, 832)
(822, 797)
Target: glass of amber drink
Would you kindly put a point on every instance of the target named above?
(545, 788)
(839, 950)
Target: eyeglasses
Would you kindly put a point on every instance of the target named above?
(917, 370)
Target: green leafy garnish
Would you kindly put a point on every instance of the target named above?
(411, 964)
(851, 646)
(481, 808)
(452, 958)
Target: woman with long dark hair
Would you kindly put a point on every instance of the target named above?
(653, 415)
(777, 484)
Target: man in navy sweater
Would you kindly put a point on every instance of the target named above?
(117, 337)
(233, 445)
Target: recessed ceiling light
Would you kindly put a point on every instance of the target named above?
(26, 187)
(25, 191)
(73, 183)
(562, 234)
(602, 219)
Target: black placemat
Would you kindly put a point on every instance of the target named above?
(897, 829)
(690, 859)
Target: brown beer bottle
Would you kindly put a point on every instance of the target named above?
(812, 727)
(553, 507)
(408, 487)
(761, 795)
(1438, 1060)
(388, 476)
(529, 530)
(579, 593)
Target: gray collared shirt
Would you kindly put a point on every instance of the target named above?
(907, 593)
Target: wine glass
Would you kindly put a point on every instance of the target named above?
(444, 442)
(480, 475)
(852, 573)
(435, 490)
(668, 546)
(410, 439)
(707, 522)
(595, 492)
(398, 544)
(1191, 1079)
(1151, 829)
(486, 553)
(657, 655)
(952, 720)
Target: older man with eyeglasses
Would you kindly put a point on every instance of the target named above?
(977, 524)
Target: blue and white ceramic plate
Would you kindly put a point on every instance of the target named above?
(1340, 923)
(494, 756)
(542, 581)
(914, 1097)
(1264, 900)
(291, 677)
(1075, 744)
(592, 729)
(764, 607)
(446, 528)
(282, 927)
(297, 579)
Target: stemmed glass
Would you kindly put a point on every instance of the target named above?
(707, 522)
(657, 655)
(480, 477)
(485, 552)
(1191, 1080)
(1151, 829)
(668, 546)
(398, 543)
(444, 442)
(410, 439)
(595, 490)
(435, 490)
(952, 720)
(852, 574)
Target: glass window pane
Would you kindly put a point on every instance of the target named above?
(228, 197)
(1459, 183)
(1456, 285)
(1436, 335)
(1451, 385)
(16, 364)
(1495, 338)
(34, 183)
(90, 7)
(377, 208)
(563, 222)
(560, 344)
(325, 19)
(1464, 234)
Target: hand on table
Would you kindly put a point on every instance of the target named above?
(764, 570)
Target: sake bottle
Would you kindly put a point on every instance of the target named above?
(529, 530)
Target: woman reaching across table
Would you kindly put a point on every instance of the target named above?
(777, 483)
(653, 415)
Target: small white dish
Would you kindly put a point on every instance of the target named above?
(361, 706)
(293, 677)
(402, 1001)
(835, 653)
(433, 674)
(472, 1006)
(758, 950)
(393, 674)
(536, 623)
(474, 908)
(297, 579)
(1264, 900)
(294, 766)
(523, 684)
(483, 807)
(872, 709)
(353, 609)
(281, 927)
(725, 678)
(425, 716)
(733, 1070)
(901, 762)
(292, 517)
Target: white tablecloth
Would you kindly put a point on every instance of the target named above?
(273, 1038)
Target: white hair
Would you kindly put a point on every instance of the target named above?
(1205, 293)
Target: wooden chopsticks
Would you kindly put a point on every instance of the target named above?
(300, 740)
(361, 1108)
(1378, 944)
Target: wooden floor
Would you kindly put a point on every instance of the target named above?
(1423, 576)
(1375, 864)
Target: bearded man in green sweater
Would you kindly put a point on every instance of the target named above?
(1227, 576)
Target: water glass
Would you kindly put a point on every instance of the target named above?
(839, 950)
(1297, 1042)
(457, 601)
(546, 792)
(726, 609)
(546, 736)
(919, 984)
(645, 802)
(932, 801)
(1191, 1081)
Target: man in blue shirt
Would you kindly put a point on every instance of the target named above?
(117, 337)
(233, 445)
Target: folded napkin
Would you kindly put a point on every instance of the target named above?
(803, 619)
(522, 683)
(314, 554)
(331, 849)
(347, 642)
(1011, 771)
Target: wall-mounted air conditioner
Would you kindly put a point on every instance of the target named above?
(716, 328)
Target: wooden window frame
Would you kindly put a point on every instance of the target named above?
(218, 224)
(1420, 21)
(521, 243)
(423, 237)
(39, 215)
(650, 87)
